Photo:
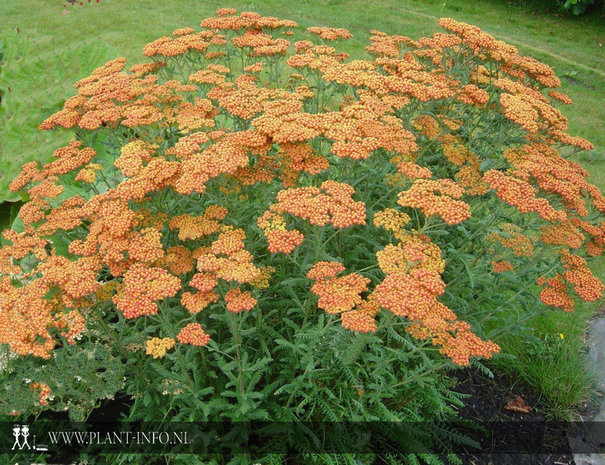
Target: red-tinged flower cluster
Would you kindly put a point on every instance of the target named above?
(193, 334)
(337, 294)
(143, 287)
(237, 301)
(522, 195)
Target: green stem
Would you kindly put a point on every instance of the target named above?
(235, 321)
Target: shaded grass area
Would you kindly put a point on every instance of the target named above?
(574, 47)
(549, 358)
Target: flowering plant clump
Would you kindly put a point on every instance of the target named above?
(274, 228)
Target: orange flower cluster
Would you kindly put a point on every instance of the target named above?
(178, 259)
(560, 96)
(336, 295)
(414, 251)
(237, 301)
(225, 156)
(195, 302)
(362, 319)
(502, 266)
(513, 238)
(110, 97)
(228, 258)
(522, 195)
(574, 141)
(422, 195)
(261, 44)
(330, 203)
(358, 130)
(554, 293)
(342, 295)
(392, 220)
(586, 285)
(49, 298)
(224, 138)
(143, 287)
(414, 171)
(385, 45)
(66, 159)
(228, 20)
(186, 40)
(414, 295)
(330, 33)
(553, 173)
(194, 335)
(44, 392)
(279, 239)
(195, 227)
(511, 62)
(563, 233)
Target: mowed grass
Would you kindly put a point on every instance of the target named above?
(574, 47)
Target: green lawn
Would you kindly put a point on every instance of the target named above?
(574, 47)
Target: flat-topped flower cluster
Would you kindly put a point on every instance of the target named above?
(236, 147)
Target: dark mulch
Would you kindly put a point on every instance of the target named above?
(486, 403)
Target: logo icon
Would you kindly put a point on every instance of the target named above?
(21, 431)
(21, 434)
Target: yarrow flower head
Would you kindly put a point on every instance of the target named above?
(194, 335)
(157, 347)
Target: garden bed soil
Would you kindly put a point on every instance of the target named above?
(487, 400)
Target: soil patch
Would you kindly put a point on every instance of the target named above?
(487, 403)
